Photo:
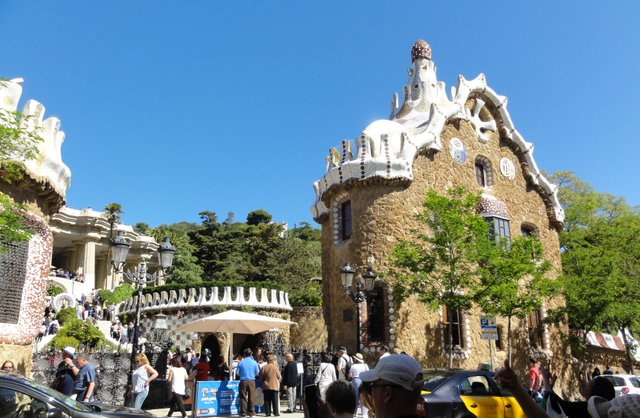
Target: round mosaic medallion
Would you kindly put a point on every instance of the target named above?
(457, 150)
(507, 168)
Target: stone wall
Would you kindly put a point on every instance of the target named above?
(311, 331)
(383, 215)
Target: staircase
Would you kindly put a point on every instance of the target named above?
(105, 328)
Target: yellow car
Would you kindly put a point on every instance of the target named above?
(467, 394)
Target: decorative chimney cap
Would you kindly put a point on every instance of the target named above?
(421, 49)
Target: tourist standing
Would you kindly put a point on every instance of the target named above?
(290, 381)
(140, 379)
(177, 380)
(359, 366)
(220, 369)
(201, 370)
(270, 375)
(343, 364)
(65, 379)
(85, 378)
(535, 380)
(326, 375)
(248, 370)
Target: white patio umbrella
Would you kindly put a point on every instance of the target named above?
(234, 322)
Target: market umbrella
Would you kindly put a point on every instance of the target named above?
(234, 322)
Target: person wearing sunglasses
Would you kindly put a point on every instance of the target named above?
(393, 386)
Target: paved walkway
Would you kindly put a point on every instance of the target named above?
(162, 412)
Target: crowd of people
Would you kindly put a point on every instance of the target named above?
(345, 385)
(65, 274)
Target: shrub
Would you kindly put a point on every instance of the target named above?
(81, 332)
(54, 290)
(65, 315)
(305, 299)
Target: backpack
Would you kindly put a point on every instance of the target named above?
(347, 367)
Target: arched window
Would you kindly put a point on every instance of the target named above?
(484, 173)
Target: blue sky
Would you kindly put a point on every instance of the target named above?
(171, 108)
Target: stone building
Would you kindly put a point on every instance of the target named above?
(366, 200)
(24, 269)
(81, 240)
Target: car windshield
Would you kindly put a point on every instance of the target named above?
(52, 393)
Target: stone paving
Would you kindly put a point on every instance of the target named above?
(162, 412)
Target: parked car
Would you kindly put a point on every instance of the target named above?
(23, 398)
(467, 394)
(624, 384)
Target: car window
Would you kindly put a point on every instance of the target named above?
(475, 386)
(20, 405)
(635, 382)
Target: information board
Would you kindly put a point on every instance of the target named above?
(216, 397)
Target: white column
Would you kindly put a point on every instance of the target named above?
(89, 265)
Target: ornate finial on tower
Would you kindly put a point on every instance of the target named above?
(421, 49)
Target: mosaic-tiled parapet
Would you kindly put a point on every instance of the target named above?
(386, 148)
(48, 166)
(203, 297)
(23, 283)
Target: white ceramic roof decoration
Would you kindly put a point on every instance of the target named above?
(386, 148)
(48, 166)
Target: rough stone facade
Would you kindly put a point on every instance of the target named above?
(383, 205)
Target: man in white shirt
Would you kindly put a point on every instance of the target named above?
(343, 361)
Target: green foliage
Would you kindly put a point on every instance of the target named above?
(65, 315)
(257, 217)
(142, 228)
(310, 298)
(17, 145)
(12, 227)
(600, 257)
(185, 264)
(255, 252)
(439, 265)
(113, 212)
(54, 290)
(77, 331)
(512, 280)
(119, 294)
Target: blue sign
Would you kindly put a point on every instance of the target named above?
(216, 397)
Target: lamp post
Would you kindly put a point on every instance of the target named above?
(364, 284)
(139, 277)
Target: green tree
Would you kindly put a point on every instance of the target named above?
(142, 228)
(113, 212)
(439, 265)
(185, 267)
(599, 260)
(259, 216)
(298, 264)
(512, 280)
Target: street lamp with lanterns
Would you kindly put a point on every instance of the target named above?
(358, 294)
(139, 277)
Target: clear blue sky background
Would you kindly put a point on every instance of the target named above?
(175, 107)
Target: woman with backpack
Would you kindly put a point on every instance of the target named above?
(326, 375)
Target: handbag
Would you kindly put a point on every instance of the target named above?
(185, 396)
